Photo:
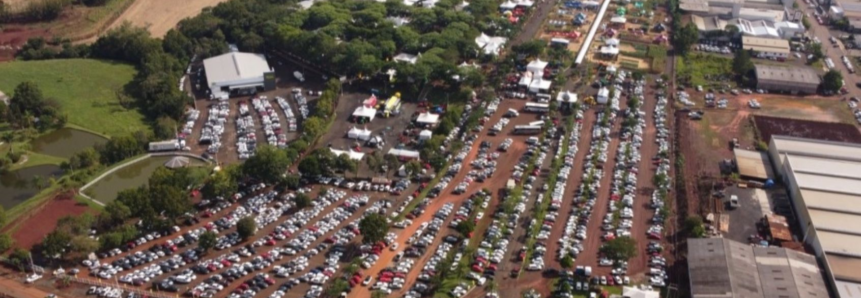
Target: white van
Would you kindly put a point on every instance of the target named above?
(532, 140)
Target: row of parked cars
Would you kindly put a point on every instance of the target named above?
(213, 129)
(662, 167)
(271, 122)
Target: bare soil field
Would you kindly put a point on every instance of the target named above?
(33, 228)
(159, 16)
(839, 132)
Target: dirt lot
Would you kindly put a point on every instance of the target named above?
(159, 16)
(32, 229)
(838, 132)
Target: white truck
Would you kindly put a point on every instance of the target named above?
(169, 145)
(299, 76)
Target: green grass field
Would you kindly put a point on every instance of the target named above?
(87, 90)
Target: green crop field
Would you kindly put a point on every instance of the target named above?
(87, 90)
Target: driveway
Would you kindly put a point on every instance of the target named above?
(822, 32)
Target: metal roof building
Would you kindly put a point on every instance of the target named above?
(722, 268)
(786, 79)
(824, 183)
(752, 164)
(771, 47)
(235, 70)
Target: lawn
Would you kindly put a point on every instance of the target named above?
(705, 70)
(85, 88)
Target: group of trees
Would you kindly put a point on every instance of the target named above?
(38, 48)
(70, 240)
(322, 162)
(29, 108)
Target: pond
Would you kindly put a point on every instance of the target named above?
(19, 185)
(65, 142)
(132, 176)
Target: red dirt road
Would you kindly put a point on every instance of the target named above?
(33, 229)
(506, 163)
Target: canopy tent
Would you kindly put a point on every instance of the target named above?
(365, 112)
(408, 58)
(618, 20)
(609, 51)
(559, 41)
(428, 118)
(359, 134)
(526, 79)
(612, 42)
(404, 153)
(177, 162)
(525, 3)
(490, 44)
(351, 154)
(472, 65)
(611, 69)
(603, 95)
(539, 84)
(566, 97)
(507, 5)
(370, 102)
(590, 3)
(536, 66)
(425, 135)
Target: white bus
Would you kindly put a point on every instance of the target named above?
(537, 107)
(527, 129)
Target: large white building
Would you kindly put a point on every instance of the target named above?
(237, 72)
(824, 183)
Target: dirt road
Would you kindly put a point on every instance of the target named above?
(15, 287)
(159, 16)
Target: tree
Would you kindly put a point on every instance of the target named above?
(567, 262)
(685, 37)
(7, 138)
(816, 51)
(374, 228)
(741, 63)
(346, 164)
(465, 227)
(20, 258)
(310, 166)
(6, 242)
(207, 240)
(832, 81)
(694, 225)
(220, 184)
(302, 201)
(621, 248)
(55, 243)
(2, 216)
(731, 30)
(165, 128)
(267, 164)
(313, 127)
(414, 167)
(115, 212)
(246, 227)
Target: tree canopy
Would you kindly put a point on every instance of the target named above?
(28, 107)
(246, 227)
(267, 164)
(621, 248)
(832, 81)
(373, 227)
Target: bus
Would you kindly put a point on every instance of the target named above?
(527, 129)
(537, 107)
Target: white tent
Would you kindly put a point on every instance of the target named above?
(404, 153)
(352, 154)
(524, 3)
(428, 118)
(360, 134)
(425, 135)
(537, 66)
(559, 41)
(611, 69)
(618, 20)
(526, 79)
(366, 112)
(603, 95)
(490, 44)
(610, 51)
(408, 58)
(634, 292)
(612, 42)
(566, 97)
(590, 3)
(508, 5)
(539, 85)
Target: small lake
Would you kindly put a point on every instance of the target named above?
(18, 186)
(132, 176)
(65, 142)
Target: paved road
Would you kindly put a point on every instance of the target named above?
(533, 24)
(822, 32)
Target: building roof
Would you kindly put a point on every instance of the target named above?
(790, 76)
(632, 292)
(753, 164)
(828, 177)
(762, 44)
(404, 153)
(235, 66)
(724, 268)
